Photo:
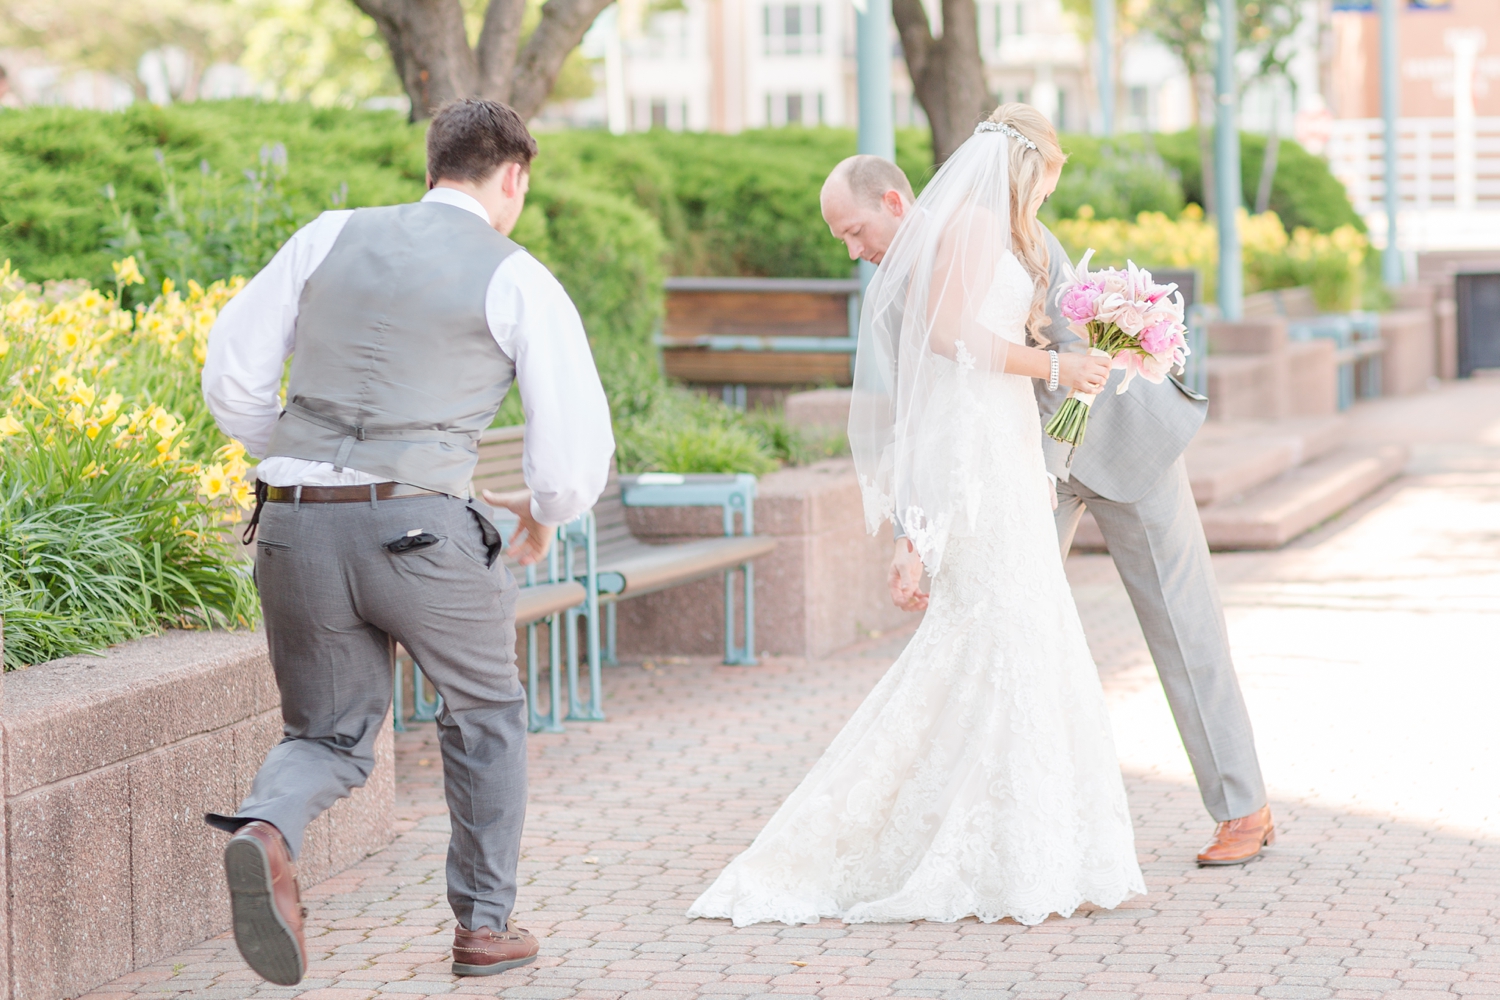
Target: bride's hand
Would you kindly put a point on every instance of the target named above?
(1084, 372)
(905, 578)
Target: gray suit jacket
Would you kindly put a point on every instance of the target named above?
(1132, 439)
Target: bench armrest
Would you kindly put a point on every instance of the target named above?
(733, 492)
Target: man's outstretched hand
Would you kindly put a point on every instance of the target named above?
(905, 578)
(531, 539)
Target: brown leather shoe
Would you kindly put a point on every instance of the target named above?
(266, 904)
(484, 952)
(1238, 840)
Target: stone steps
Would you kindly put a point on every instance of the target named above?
(1260, 484)
(1229, 459)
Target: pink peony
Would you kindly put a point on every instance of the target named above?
(1079, 302)
(1159, 337)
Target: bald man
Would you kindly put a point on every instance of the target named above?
(1130, 474)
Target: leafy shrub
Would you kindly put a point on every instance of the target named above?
(112, 507)
(1304, 193)
(1333, 263)
(209, 228)
(744, 204)
(56, 162)
(1118, 179)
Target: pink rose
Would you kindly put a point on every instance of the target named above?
(1124, 313)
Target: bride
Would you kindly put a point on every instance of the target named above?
(979, 777)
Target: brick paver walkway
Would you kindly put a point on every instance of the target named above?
(1368, 655)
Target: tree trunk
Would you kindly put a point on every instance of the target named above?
(432, 56)
(561, 29)
(429, 47)
(947, 72)
(499, 44)
(1207, 98)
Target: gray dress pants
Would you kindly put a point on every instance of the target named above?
(1158, 546)
(334, 598)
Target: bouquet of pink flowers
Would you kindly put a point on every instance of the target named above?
(1127, 317)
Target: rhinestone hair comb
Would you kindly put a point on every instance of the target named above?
(1004, 129)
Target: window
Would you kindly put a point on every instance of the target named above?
(658, 114)
(794, 109)
(1020, 17)
(1139, 102)
(996, 32)
(792, 29)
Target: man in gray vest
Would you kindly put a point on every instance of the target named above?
(1130, 473)
(406, 326)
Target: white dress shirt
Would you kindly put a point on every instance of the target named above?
(568, 436)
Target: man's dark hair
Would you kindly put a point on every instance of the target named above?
(469, 140)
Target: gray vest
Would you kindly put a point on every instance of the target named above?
(395, 372)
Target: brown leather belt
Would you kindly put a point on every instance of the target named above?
(346, 494)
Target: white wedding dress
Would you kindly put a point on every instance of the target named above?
(979, 778)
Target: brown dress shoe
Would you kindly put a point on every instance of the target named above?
(266, 904)
(484, 952)
(1238, 840)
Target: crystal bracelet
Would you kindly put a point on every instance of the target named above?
(1052, 378)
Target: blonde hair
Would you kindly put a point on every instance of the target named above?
(1027, 169)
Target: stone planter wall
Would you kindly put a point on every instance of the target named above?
(109, 764)
(821, 589)
(1256, 373)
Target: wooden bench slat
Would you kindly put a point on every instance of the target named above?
(535, 603)
(649, 568)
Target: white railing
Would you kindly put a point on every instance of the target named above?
(1448, 175)
(1439, 165)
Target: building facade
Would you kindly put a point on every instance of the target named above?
(730, 65)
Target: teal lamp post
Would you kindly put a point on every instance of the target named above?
(1104, 37)
(1390, 100)
(877, 131)
(1227, 168)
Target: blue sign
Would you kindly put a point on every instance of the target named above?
(1369, 6)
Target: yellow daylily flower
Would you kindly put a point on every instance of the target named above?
(83, 394)
(9, 426)
(212, 483)
(128, 272)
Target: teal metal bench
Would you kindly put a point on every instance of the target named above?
(1356, 335)
(614, 565)
(597, 563)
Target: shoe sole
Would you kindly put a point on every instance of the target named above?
(1227, 864)
(460, 969)
(265, 941)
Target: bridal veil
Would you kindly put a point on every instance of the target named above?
(925, 315)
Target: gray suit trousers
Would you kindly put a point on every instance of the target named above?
(1158, 546)
(334, 599)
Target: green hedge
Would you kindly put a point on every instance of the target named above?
(1304, 193)
(610, 215)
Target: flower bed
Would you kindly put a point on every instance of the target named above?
(1332, 263)
(115, 486)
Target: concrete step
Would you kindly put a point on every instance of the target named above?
(1230, 459)
(1300, 499)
